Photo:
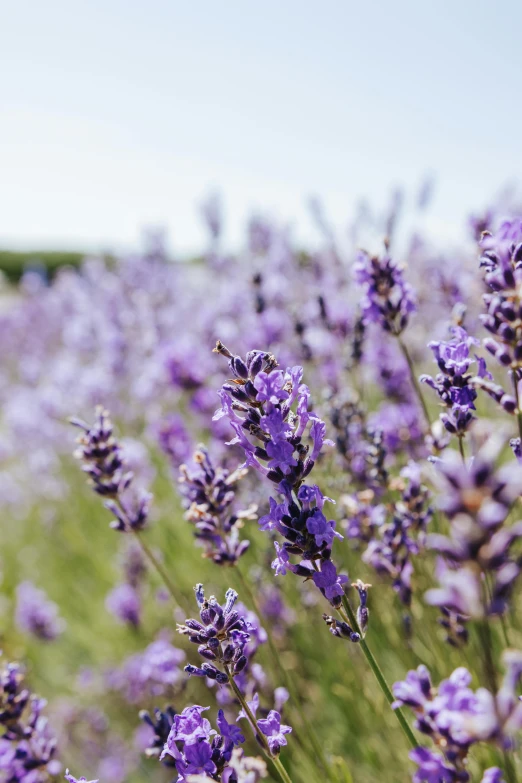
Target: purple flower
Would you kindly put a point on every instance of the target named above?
(270, 521)
(281, 562)
(459, 591)
(281, 455)
(71, 779)
(124, 603)
(323, 530)
(198, 758)
(189, 726)
(269, 387)
(389, 300)
(415, 690)
(36, 614)
(274, 731)
(228, 730)
(493, 775)
(329, 582)
(318, 433)
(221, 636)
(432, 767)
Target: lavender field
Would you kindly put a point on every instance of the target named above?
(327, 440)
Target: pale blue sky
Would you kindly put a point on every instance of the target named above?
(115, 114)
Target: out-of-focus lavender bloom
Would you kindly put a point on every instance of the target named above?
(493, 775)
(389, 300)
(103, 461)
(71, 779)
(175, 440)
(124, 603)
(432, 768)
(455, 717)
(209, 495)
(247, 769)
(398, 540)
(36, 614)
(476, 497)
(27, 744)
(360, 445)
(151, 673)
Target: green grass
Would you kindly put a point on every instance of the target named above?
(14, 263)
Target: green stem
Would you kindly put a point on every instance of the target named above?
(289, 683)
(258, 734)
(158, 566)
(348, 616)
(461, 448)
(414, 380)
(490, 675)
(517, 397)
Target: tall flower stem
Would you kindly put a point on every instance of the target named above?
(414, 381)
(158, 566)
(288, 681)
(517, 397)
(349, 617)
(259, 736)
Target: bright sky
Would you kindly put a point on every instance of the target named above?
(117, 114)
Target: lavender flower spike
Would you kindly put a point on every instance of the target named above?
(104, 463)
(36, 614)
(221, 635)
(389, 300)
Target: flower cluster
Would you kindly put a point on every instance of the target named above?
(265, 396)
(454, 383)
(197, 748)
(389, 300)
(455, 717)
(36, 614)
(476, 498)
(27, 745)
(209, 495)
(103, 461)
(222, 635)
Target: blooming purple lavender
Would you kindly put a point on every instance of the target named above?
(221, 635)
(103, 461)
(274, 731)
(389, 300)
(27, 744)
(453, 383)
(209, 496)
(198, 752)
(197, 748)
(36, 614)
(501, 254)
(265, 396)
